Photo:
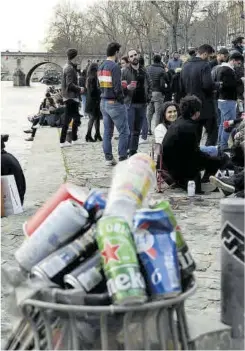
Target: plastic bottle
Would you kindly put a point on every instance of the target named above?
(191, 188)
(132, 180)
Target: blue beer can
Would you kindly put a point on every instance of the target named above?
(155, 240)
(95, 204)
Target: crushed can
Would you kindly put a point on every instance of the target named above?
(125, 282)
(186, 261)
(156, 245)
(95, 204)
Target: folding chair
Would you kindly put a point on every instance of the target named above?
(163, 178)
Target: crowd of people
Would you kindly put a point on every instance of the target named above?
(181, 97)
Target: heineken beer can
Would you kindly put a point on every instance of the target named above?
(187, 264)
(61, 226)
(156, 246)
(125, 282)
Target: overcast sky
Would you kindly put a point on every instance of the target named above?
(24, 23)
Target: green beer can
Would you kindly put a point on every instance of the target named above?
(186, 262)
(125, 282)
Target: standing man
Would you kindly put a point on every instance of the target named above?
(222, 56)
(112, 105)
(138, 92)
(71, 96)
(228, 94)
(195, 79)
(158, 77)
(175, 62)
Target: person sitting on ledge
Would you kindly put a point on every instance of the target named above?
(182, 156)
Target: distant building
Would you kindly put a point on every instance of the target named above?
(236, 21)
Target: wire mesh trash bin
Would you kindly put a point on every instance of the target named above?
(67, 320)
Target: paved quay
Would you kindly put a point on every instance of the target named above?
(48, 166)
(45, 172)
(199, 220)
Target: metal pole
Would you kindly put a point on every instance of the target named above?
(232, 267)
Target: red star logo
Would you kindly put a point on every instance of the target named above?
(110, 252)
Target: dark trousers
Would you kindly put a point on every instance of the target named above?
(94, 119)
(71, 113)
(204, 163)
(211, 127)
(136, 117)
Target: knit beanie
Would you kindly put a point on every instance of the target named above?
(71, 53)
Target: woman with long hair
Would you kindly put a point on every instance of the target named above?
(170, 112)
(93, 103)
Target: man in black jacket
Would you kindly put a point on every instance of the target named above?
(228, 94)
(222, 56)
(71, 96)
(137, 93)
(195, 79)
(158, 76)
(181, 152)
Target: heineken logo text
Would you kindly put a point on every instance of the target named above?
(131, 279)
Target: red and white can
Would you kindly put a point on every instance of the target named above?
(61, 226)
(66, 191)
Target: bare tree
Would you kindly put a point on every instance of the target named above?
(169, 12)
(69, 28)
(186, 17)
(108, 22)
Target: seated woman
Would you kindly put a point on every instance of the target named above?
(181, 152)
(170, 112)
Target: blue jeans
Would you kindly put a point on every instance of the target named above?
(136, 117)
(144, 130)
(227, 113)
(84, 98)
(210, 150)
(114, 113)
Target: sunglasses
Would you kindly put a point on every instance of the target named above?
(134, 55)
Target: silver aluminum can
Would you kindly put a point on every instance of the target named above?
(59, 227)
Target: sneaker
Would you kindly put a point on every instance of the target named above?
(29, 139)
(143, 141)
(149, 132)
(226, 185)
(110, 162)
(65, 144)
(28, 131)
(77, 142)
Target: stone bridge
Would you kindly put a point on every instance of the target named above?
(28, 62)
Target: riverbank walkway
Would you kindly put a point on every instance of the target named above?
(49, 166)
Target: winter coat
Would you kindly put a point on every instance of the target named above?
(226, 74)
(10, 165)
(173, 64)
(181, 151)
(69, 83)
(129, 75)
(196, 79)
(175, 87)
(158, 76)
(93, 97)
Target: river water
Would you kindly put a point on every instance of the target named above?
(17, 103)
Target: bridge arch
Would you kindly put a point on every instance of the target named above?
(29, 74)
